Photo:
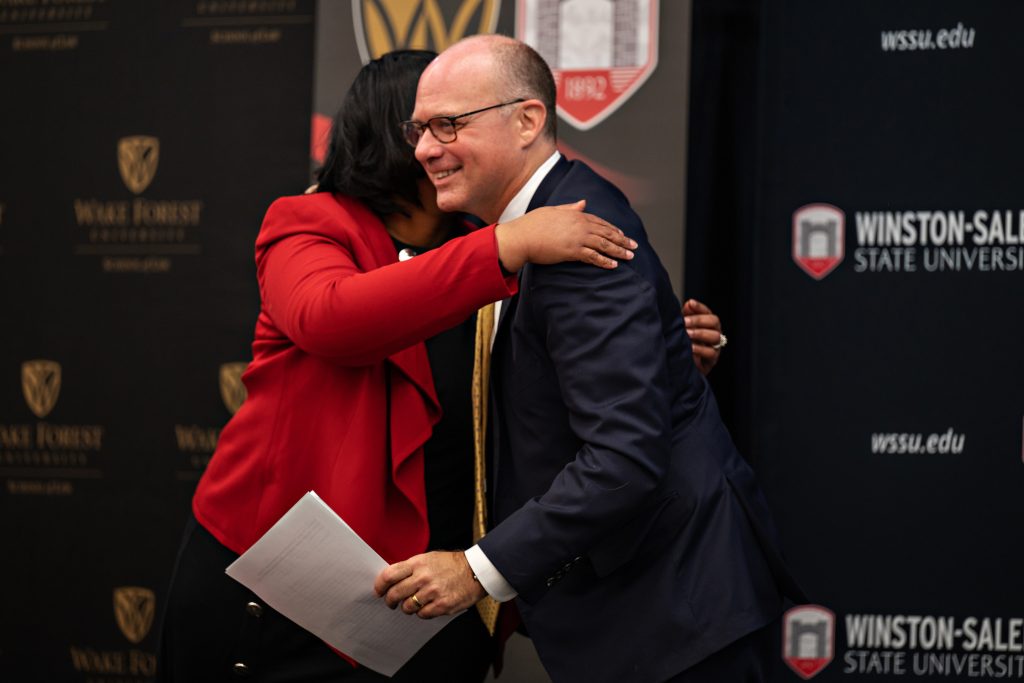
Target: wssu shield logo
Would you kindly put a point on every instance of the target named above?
(232, 391)
(819, 235)
(808, 639)
(600, 52)
(134, 608)
(385, 25)
(40, 383)
(137, 157)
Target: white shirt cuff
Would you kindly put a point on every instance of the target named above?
(488, 576)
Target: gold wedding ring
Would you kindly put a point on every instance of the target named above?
(419, 605)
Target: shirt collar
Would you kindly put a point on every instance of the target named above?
(517, 207)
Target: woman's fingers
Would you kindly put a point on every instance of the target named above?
(578, 205)
(705, 337)
(609, 246)
(616, 237)
(692, 307)
(596, 258)
(705, 352)
(704, 323)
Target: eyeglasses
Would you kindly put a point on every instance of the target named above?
(443, 128)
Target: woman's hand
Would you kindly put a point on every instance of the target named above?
(705, 330)
(554, 234)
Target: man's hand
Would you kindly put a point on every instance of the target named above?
(705, 330)
(442, 583)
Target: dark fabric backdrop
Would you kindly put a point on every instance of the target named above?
(875, 383)
(141, 145)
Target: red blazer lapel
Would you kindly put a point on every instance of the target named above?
(414, 405)
(412, 361)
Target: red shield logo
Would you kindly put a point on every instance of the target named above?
(808, 639)
(819, 234)
(600, 52)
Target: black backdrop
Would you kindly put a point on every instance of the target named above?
(136, 288)
(127, 299)
(875, 375)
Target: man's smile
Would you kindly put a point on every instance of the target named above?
(441, 175)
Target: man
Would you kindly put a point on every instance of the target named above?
(628, 527)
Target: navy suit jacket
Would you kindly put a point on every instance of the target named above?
(627, 521)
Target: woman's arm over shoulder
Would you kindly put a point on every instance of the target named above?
(329, 280)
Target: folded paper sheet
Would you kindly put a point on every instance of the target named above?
(314, 569)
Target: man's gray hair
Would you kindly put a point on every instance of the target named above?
(527, 75)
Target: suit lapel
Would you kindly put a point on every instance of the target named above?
(506, 305)
(505, 318)
(550, 182)
(540, 198)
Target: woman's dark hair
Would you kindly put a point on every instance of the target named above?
(368, 158)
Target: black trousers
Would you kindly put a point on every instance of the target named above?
(216, 629)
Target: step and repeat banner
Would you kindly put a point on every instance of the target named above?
(890, 314)
(141, 144)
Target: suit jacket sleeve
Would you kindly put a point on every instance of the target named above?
(605, 338)
(320, 292)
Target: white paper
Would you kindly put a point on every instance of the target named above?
(314, 569)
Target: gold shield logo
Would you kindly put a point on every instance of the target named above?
(232, 391)
(137, 157)
(40, 383)
(385, 25)
(134, 608)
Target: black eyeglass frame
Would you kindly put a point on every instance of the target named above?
(409, 126)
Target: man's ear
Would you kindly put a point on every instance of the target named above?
(531, 119)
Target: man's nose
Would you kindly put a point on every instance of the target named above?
(428, 147)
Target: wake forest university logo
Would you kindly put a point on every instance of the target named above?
(385, 25)
(40, 383)
(232, 391)
(137, 158)
(808, 639)
(600, 51)
(819, 233)
(134, 608)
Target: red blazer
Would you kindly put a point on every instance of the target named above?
(339, 317)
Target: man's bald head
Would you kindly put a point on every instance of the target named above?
(517, 71)
(497, 96)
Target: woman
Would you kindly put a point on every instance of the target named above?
(344, 396)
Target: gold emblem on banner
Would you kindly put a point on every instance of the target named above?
(134, 608)
(232, 391)
(40, 383)
(137, 157)
(387, 25)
